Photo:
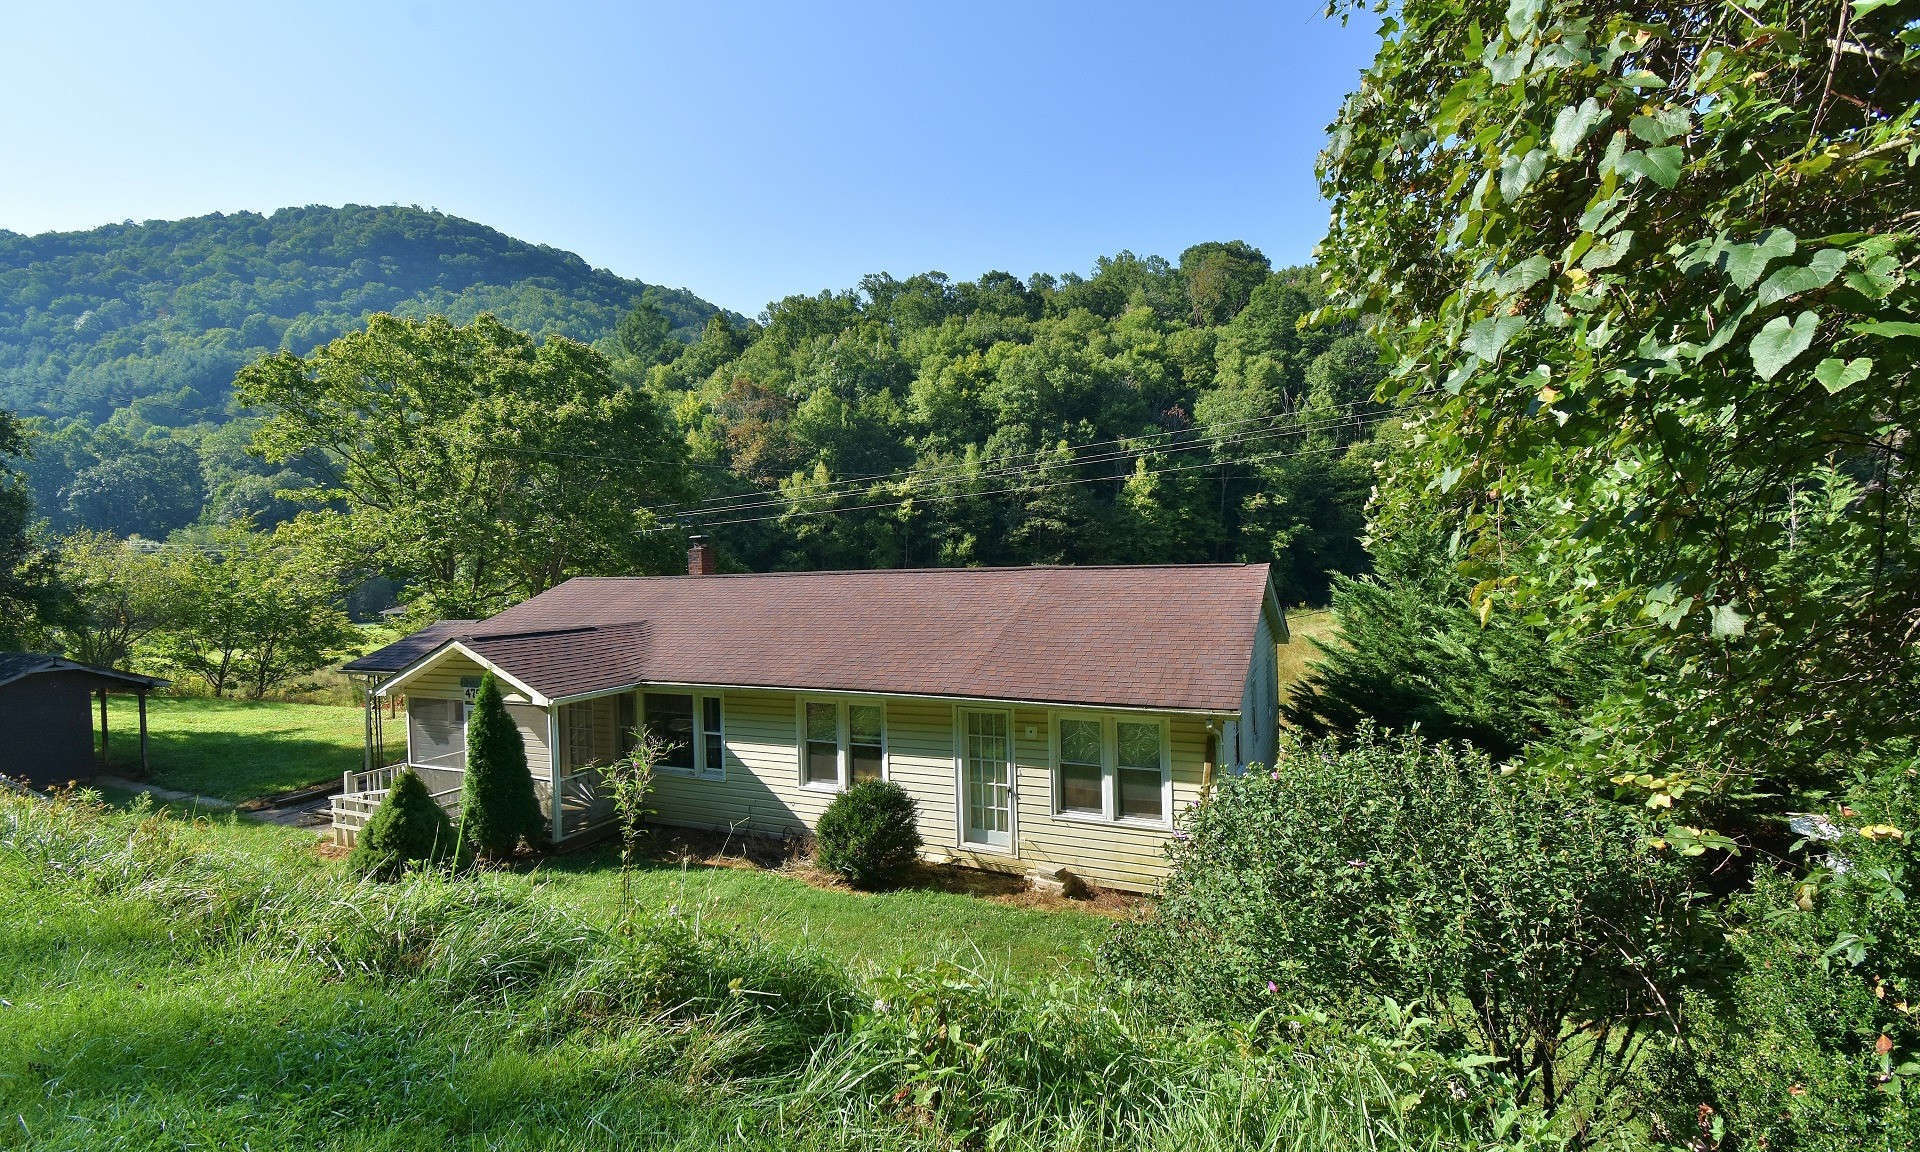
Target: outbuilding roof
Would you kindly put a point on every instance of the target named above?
(407, 649)
(20, 665)
(1174, 637)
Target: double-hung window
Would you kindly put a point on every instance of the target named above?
(1112, 768)
(842, 742)
(690, 723)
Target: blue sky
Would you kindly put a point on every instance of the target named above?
(744, 151)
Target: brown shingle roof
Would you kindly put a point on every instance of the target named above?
(408, 648)
(1169, 636)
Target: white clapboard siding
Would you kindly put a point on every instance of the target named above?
(762, 790)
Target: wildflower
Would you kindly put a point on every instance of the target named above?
(1272, 988)
(1356, 863)
(880, 1006)
(1276, 774)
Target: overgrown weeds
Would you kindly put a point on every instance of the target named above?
(776, 1043)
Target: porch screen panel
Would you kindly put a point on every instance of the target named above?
(439, 732)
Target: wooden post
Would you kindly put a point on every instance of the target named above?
(367, 759)
(554, 771)
(105, 745)
(144, 770)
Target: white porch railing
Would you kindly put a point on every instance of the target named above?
(352, 810)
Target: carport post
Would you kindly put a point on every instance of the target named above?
(104, 744)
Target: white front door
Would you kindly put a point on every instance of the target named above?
(986, 778)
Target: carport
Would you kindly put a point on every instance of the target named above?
(47, 734)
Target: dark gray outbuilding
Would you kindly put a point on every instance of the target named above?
(47, 734)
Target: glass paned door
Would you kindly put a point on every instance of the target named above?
(986, 774)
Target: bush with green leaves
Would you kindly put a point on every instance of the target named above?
(1812, 1043)
(869, 834)
(1647, 271)
(498, 807)
(1535, 922)
(409, 827)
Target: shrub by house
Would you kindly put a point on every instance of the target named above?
(498, 808)
(868, 834)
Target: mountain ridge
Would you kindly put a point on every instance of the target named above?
(157, 316)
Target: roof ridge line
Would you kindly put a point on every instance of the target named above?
(995, 568)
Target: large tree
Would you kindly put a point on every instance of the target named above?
(1648, 272)
(476, 463)
(28, 593)
(120, 595)
(252, 610)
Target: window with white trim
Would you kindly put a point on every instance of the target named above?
(692, 724)
(842, 742)
(1112, 768)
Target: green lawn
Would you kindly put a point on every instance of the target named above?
(863, 929)
(216, 983)
(237, 749)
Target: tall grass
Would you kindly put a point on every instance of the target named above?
(173, 984)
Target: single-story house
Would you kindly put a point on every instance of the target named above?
(1044, 718)
(47, 735)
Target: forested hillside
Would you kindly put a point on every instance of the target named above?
(1148, 411)
(158, 316)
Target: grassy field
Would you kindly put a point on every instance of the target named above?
(861, 929)
(218, 984)
(1311, 630)
(238, 749)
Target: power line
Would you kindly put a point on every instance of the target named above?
(1134, 446)
(936, 498)
(769, 499)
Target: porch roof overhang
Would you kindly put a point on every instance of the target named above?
(440, 652)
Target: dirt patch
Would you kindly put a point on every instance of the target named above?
(791, 857)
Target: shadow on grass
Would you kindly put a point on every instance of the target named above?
(237, 765)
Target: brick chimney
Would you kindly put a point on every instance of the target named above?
(700, 561)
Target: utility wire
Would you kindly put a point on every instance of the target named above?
(992, 470)
(936, 498)
(1204, 436)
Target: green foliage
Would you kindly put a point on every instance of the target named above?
(476, 464)
(119, 596)
(247, 609)
(27, 589)
(407, 828)
(869, 834)
(200, 934)
(498, 808)
(1144, 414)
(1813, 1043)
(1411, 652)
(1647, 272)
(1533, 921)
(154, 319)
